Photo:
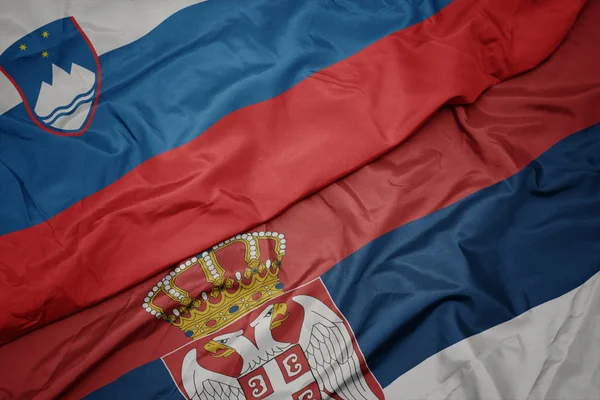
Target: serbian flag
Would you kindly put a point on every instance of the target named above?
(335, 200)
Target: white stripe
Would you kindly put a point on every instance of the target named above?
(109, 24)
(550, 352)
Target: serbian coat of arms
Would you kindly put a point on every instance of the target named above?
(250, 338)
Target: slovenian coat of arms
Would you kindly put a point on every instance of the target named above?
(56, 71)
(251, 339)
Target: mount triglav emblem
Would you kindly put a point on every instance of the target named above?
(57, 73)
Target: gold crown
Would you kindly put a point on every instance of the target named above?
(227, 298)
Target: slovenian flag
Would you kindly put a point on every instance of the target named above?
(347, 200)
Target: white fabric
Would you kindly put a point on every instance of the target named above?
(550, 352)
(109, 24)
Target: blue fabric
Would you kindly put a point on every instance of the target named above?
(477, 263)
(166, 88)
(150, 381)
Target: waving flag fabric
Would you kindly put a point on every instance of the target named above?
(300, 200)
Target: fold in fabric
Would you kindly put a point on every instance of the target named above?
(459, 151)
(549, 352)
(257, 161)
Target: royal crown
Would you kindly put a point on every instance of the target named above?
(226, 296)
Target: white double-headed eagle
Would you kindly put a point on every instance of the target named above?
(324, 339)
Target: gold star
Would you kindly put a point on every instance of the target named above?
(45, 34)
(45, 54)
(23, 47)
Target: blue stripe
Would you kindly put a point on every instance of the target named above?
(151, 381)
(477, 263)
(168, 87)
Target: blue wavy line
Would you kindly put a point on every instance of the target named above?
(75, 99)
(70, 112)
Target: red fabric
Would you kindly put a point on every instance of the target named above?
(459, 151)
(257, 161)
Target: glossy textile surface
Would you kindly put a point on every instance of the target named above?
(255, 58)
(548, 352)
(480, 216)
(475, 264)
(445, 277)
(226, 180)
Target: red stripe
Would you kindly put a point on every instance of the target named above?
(254, 163)
(459, 151)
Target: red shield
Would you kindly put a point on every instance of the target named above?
(287, 376)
